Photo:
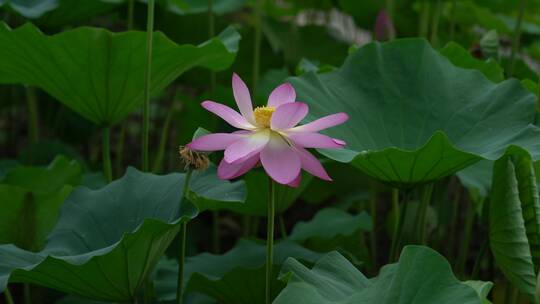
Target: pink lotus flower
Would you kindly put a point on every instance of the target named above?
(269, 134)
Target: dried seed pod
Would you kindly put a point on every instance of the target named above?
(194, 159)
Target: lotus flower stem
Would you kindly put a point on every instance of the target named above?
(435, 23)
(389, 4)
(424, 19)
(211, 34)
(373, 238)
(107, 171)
(148, 71)
(453, 19)
(130, 10)
(183, 236)
(422, 213)
(9, 297)
(270, 239)
(516, 38)
(163, 139)
(215, 214)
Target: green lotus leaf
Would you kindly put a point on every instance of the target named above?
(414, 116)
(462, 58)
(31, 199)
(227, 277)
(60, 172)
(32, 8)
(100, 74)
(514, 220)
(257, 198)
(208, 192)
(421, 276)
(330, 223)
(219, 7)
(106, 241)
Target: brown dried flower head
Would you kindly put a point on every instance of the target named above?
(194, 159)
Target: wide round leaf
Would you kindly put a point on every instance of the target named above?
(226, 277)
(422, 276)
(106, 241)
(414, 116)
(100, 74)
(30, 200)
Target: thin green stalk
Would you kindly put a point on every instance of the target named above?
(402, 217)
(389, 4)
(396, 216)
(130, 10)
(33, 124)
(107, 171)
(422, 213)
(182, 254)
(516, 38)
(119, 161)
(148, 72)
(27, 294)
(163, 139)
(9, 297)
(479, 258)
(373, 238)
(453, 20)
(256, 46)
(270, 239)
(435, 23)
(424, 19)
(216, 245)
(466, 240)
(282, 227)
(211, 34)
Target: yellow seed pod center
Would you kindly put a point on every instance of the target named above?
(263, 115)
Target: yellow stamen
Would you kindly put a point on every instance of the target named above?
(263, 115)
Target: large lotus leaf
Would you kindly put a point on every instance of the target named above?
(207, 191)
(30, 201)
(60, 172)
(219, 7)
(462, 58)
(514, 220)
(100, 74)
(330, 223)
(227, 277)
(415, 117)
(422, 276)
(106, 241)
(31, 8)
(257, 199)
(69, 12)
